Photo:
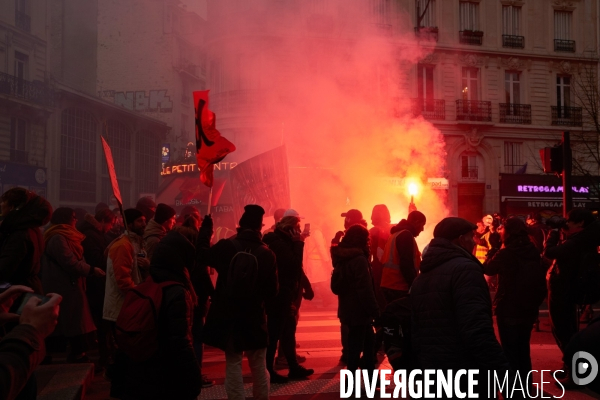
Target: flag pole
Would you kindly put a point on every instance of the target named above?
(123, 216)
(209, 200)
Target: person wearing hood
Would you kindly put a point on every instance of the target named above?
(401, 257)
(174, 372)
(95, 228)
(158, 227)
(569, 257)
(235, 326)
(64, 271)
(21, 241)
(379, 235)
(452, 326)
(287, 242)
(147, 207)
(352, 282)
(521, 290)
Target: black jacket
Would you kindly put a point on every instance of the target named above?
(521, 281)
(94, 245)
(352, 281)
(406, 247)
(22, 245)
(245, 323)
(289, 255)
(452, 324)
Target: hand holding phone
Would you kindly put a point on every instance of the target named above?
(7, 300)
(43, 317)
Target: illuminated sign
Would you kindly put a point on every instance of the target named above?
(166, 152)
(552, 204)
(550, 189)
(193, 168)
(438, 183)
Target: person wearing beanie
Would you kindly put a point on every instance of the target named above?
(125, 259)
(452, 325)
(147, 206)
(186, 212)
(401, 257)
(174, 373)
(233, 325)
(352, 282)
(158, 227)
(521, 290)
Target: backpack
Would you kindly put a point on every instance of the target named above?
(137, 324)
(242, 273)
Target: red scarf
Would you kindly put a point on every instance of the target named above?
(72, 235)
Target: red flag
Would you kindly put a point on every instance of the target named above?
(211, 147)
(111, 170)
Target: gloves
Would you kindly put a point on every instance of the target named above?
(308, 294)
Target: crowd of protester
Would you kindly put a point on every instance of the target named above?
(427, 308)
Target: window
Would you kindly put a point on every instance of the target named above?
(78, 156)
(469, 16)
(511, 20)
(18, 136)
(468, 167)
(562, 25)
(426, 11)
(512, 157)
(425, 86)
(563, 91)
(512, 87)
(147, 165)
(470, 83)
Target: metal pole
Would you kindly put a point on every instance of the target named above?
(566, 175)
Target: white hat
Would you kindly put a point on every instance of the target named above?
(487, 220)
(292, 213)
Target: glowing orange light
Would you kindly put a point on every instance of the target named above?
(413, 189)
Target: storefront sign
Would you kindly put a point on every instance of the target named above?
(22, 175)
(166, 153)
(550, 189)
(438, 183)
(193, 168)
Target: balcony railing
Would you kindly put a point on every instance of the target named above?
(188, 67)
(429, 108)
(19, 156)
(511, 113)
(471, 37)
(469, 172)
(564, 45)
(36, 92)
(22, 21)
(427, 33)
(516, 42)
(566, 116)
(472, 110)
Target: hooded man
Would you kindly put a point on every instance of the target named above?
(233, 325)
(158, 227)
(147, 206)
(452, 325)
(401, 257)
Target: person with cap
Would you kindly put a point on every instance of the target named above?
(401, 257)
(124, 263)
(351, 217)
(521, 290)
(352, 282)
(147, 206)
(236, 326)
(186, 212)
(277, 215)
(452, 326)
(158, 227)
(287, 242)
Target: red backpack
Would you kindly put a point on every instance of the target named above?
(137, 324)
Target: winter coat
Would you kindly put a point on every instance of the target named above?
(521, 282)
(452, 324)
(152, 235)
(122, 273)
(352, 282)
(245, 323)
(22, 245)
(173, 373)
(289, 255)
(64, 274)
(401, 258)
(94, 248)
(568, 256)
(21, 351)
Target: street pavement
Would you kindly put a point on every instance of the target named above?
(318, 336)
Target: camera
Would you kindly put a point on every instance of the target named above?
(557, 222)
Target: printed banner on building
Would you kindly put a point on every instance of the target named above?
(111, 170)
(262, 180)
